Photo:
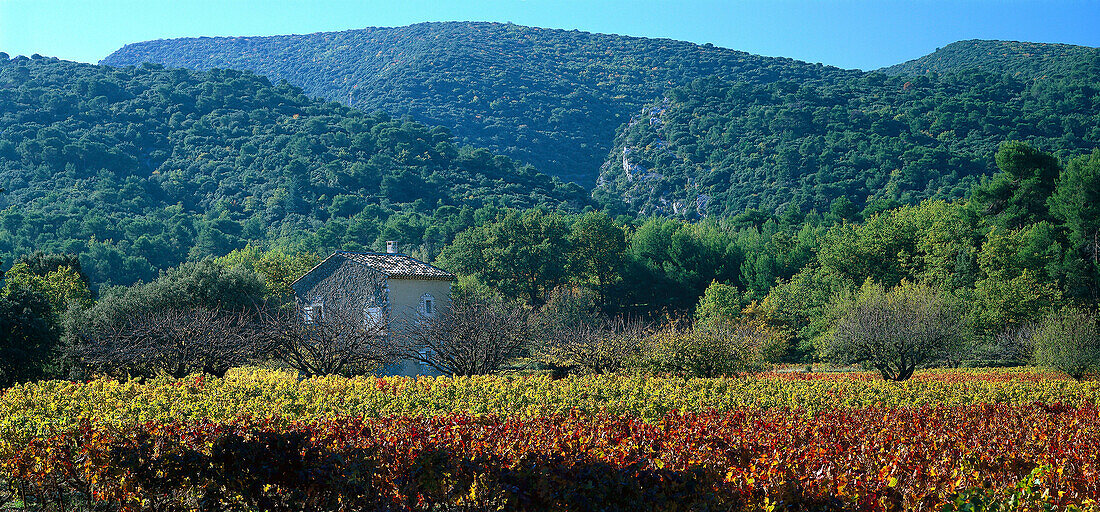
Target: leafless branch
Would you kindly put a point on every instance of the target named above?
(899, 330)
(176, 342)
(335, 341)
(471, 337)
(601, 346)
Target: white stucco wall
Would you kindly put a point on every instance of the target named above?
(404, 295)
(404, 299)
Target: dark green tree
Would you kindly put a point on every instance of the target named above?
(28, 338)
(204, 284)
(598, 253)
(671, 262)
(1076, 202)
(1017, 196)
(521, 254)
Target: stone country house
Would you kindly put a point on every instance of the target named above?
(387, 289)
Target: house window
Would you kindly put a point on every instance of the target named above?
(427, 305)
(311, 314)
(425, 355)
(374, 317)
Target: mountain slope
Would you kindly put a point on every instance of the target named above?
(553, 98)
(138, 169)
(1020, 59)
(717, 147)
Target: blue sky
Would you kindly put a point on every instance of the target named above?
(862, 34)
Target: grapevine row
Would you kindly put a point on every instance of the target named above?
(871, 459)
(43, 407)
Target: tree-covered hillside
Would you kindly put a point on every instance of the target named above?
(1020, 59)
(717, 147)
(553, 98)
(139, 169)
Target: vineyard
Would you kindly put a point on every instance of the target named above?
(265, 440)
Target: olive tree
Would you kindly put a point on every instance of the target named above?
(896, 330)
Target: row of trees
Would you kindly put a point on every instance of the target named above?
(208, 318)
(901, 329)
(474, 335)
(642, 267)
(1015, 254)
(211, 316)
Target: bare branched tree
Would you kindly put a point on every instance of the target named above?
(471, 337)
(332, 341)
(175, 342)
(602, 346)
(1011, 346)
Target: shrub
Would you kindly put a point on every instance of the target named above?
(575, 338)
(709, 350)
(1011, 347)
(1069, 341)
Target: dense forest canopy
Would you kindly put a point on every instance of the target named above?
(1023, 60)
(716, 147)
(688, 130)
(552, 98)
(139, 169)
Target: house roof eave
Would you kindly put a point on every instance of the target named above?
(310, 271)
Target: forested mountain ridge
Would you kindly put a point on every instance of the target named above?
(138, 169)
(1020, 59)
(553, 98)
(716, 147)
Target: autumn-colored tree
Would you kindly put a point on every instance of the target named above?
(278, 268)
(63, 287)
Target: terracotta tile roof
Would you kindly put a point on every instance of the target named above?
(397, 266)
